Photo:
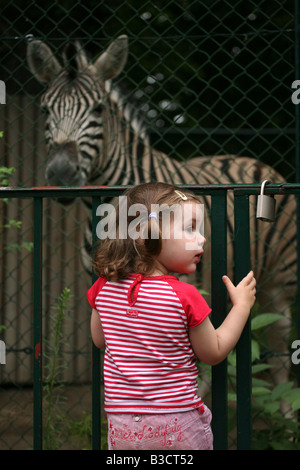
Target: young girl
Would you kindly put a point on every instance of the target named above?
(154, 326)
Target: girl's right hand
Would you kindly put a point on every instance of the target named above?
(244, 292)
(213, 345)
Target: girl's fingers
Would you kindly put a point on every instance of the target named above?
(248, 280)
(229, 285)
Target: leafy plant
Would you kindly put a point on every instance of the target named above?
(273, 430)
(5, 174)
(53, 386)
(276, 431)
(81, 429)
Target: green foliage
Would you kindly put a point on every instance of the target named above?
(53, 386)
(57, 424)
(263, 320)
(271, 429)
(5, 174)
(81, 430)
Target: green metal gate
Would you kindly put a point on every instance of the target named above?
(219, 404)
(212, 78)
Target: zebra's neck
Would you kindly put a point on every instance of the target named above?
(125, 143)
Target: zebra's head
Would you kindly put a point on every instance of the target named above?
(75, 102)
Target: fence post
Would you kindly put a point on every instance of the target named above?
(37, 326)
(243, 348)
(96, 390)
(297, 157)
(219, 302)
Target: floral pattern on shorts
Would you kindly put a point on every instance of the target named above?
(165, 434)
(186, 431)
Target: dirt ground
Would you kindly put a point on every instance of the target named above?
(16, 418)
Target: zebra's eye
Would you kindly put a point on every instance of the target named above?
(45, 110)
(98, 109)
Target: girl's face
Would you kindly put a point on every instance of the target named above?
(183, 246)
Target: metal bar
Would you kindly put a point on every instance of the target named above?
(37, 326)
(212, 131)
(90, 191)
(219, 373)
(243, 348)
(219, 301)
(96, 385)
(297, 158)
(297, 77)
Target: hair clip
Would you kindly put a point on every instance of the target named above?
(152, 215)
(183, 196)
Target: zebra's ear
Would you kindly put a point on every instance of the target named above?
(42, 62)
(111, 63)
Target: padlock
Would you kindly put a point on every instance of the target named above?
(265, 205)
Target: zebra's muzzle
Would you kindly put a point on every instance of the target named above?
(63, 168)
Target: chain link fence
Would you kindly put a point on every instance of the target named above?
(209, 77)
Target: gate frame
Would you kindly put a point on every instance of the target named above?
(218, 194)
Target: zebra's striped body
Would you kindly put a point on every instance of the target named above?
(94, 136)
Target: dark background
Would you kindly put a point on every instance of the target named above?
(212, 77)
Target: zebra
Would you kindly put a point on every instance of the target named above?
(95, 136)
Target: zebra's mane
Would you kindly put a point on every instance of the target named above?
(75, 58)
(70, 60)
(130, 109)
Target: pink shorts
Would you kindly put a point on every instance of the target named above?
(189, 430)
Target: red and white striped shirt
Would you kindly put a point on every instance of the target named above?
(149, 364)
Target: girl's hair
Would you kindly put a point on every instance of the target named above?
(117, 258)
